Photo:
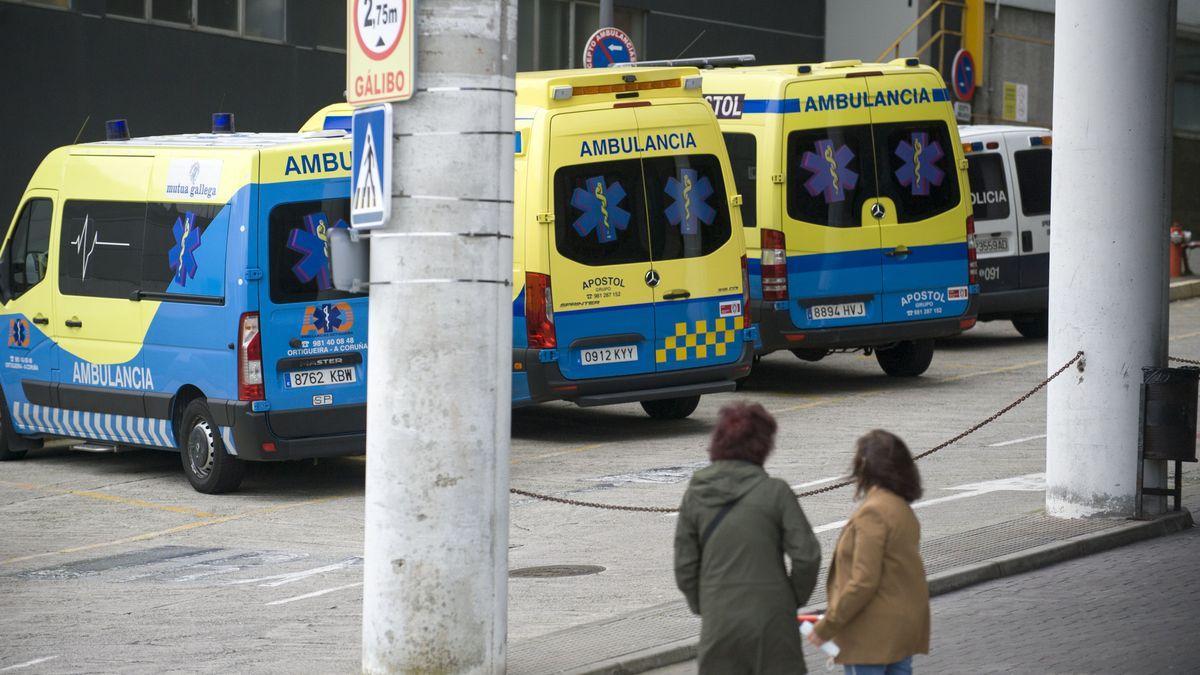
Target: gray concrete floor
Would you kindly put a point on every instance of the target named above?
(113, 563)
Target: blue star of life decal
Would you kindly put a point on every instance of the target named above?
(182, 256)
(831, 173)
(327, 318)
(600, 204)
(690, 193)
(312, 242)
(920, 169)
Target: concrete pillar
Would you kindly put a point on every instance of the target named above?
(1108, 243)
(439, 401)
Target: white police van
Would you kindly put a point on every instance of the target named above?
(1009, 171)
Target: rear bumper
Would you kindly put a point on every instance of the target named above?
(778, 331)
(249, 430)
(1007, 304)
(546, 381)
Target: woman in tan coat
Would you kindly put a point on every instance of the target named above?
(878, 611)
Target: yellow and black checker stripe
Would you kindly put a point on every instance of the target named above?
(697, 343)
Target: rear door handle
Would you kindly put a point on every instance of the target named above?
(40, 320)
(900, 250)
(74, 322)
(677, 295)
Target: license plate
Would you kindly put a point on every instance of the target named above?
(602, 355)
(316, 378)
(844, 310)
(991, 245)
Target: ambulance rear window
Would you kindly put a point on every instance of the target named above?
(298, 250)
(600, 213)
(744, 162)
(1033, 177)
(829, 175)
(916, 168)
(989, 188)
(688, 206)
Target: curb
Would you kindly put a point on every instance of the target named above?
(950, 580)
(1182, 290)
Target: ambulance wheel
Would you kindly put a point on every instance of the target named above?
(1033, 326)
(907, 359)
(209, 468)
(671, 408)
(7, 454)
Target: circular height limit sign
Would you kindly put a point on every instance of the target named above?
(379, 51)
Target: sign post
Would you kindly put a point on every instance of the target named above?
(379, 51)
(371, 171)
(608, 46)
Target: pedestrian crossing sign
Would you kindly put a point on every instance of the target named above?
(371, 167)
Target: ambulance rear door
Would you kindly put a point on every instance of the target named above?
(1031, 155)
(833, 263)
(599, 246)
(996, 238)
(695, 249)
(922, 214)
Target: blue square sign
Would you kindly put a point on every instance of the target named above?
(371, 168)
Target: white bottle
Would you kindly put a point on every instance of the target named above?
(806, 629)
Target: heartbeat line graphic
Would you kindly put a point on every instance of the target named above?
(85, 248)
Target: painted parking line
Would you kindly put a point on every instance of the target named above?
(560, 453)
(315, 594)
(291, 577)
(171, 530)
(819, 481)
(115, 499)
(1016, 441)
(18, 666)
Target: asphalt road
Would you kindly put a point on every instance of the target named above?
(112, 563)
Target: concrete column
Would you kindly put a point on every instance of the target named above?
(439, 401)
(1108, 243)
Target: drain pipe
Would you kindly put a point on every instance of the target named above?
(438, 387)
(1108, 272)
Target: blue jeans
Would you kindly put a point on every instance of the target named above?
(901, 667)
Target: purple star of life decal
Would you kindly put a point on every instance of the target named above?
(600, 204)
(920, 170)
(831, 173)
(18, 334)
(312, 242)
(182, 256)
(689, 192)
(327, 318)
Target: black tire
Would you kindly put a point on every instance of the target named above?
(1035, 326)
(208, 467)
(810, 355)
(6, 453)
(907, 359)
(671, 408)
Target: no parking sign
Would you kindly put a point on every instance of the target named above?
(608, 46)
(962, 75)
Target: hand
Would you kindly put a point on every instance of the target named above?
(815, 640)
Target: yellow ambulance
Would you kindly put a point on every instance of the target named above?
(858, 212)
(629, 268)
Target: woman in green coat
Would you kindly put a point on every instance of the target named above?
(735, 525)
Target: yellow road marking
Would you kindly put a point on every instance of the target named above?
(1184, 335)
(1005, 369)
(548, 455)
(171, 530)
(117, 499)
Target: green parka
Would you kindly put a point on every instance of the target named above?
(738, 585)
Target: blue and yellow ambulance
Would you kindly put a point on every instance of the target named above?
(173, 292)
(857, 208)
(629, 267)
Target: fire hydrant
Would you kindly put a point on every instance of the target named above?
(1179, 244)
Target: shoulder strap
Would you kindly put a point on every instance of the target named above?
(712, 524)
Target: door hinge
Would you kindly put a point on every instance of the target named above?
(252, 274)
(545, 218)
(777, 178)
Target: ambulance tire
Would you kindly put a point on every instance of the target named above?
(671, 408)
(1033, 326)
(208, 467)
(907, 359)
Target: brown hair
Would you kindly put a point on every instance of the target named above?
(882, 459)
(745, 431)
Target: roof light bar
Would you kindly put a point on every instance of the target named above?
(222, 123)
(692, 82)
(116, 130)
(1040, 140)
(624, 86)
(561, 93)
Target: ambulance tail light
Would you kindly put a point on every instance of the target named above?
(250, 368)
(745, 293)
(972, 257)
(539, 311)
(774, 265)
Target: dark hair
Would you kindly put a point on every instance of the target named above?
(745, 431)
(882, 459)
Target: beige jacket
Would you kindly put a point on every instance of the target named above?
(878, 599)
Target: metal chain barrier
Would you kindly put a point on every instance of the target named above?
(828, 488)
(1190, 362)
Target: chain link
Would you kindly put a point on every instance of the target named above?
(846, 483)
(1190, 362)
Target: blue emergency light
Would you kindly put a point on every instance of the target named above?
(222, 123)
(116, 130)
